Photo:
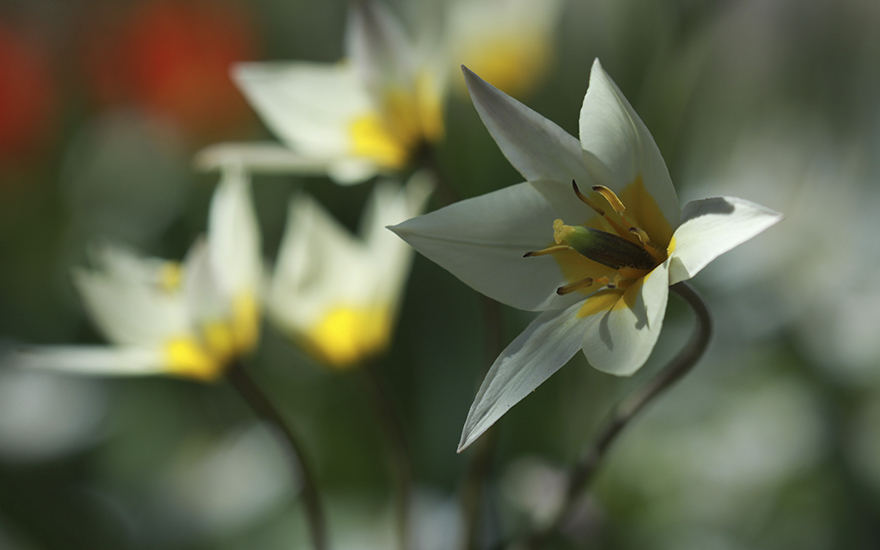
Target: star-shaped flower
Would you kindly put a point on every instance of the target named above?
(593, 240)
(162, 317)
(374, 111)
(338, 294)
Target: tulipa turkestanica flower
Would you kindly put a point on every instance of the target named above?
(380, 106)
(189, 319)
(592, 240)
(335, 293)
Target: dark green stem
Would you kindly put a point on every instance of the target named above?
(401, 465)
(480, 464)
(264, 409)
(680, 365)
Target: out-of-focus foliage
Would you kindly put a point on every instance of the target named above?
(770, 443)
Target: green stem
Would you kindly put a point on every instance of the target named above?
(480, 464)
(401, 465)
(264, 409)
(680, 365)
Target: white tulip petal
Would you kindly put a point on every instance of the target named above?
(619, 340)
(535, 146)
(618, 148)
(127, 300)
(711, 227)
(310, 106)
(376, 42)
(482, 241)
(260, 158)
(206, 299)
(543, 348)
(234, 235)
(100, 360)
(320, 264)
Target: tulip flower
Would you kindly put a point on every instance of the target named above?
(189, 319)
(592, 240)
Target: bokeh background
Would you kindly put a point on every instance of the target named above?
(773, 442)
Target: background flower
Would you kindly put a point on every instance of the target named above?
(744, 94)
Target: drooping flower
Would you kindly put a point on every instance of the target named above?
(163, 317)
(592, 240)
(377, 108)
(338, 294)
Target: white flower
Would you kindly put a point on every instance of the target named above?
(187, 319)
(376, 109)
(338, 294)
(601, 284)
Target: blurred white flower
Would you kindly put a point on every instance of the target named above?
(507, 42)
(186, 319)
(338, 294)
(372, 112)
(601, 286)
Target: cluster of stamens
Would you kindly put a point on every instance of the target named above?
(626, 248)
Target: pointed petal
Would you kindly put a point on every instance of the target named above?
(543, 348)
(234, 236)
(618, 147)
(259, 158)
(482, 241)
(711, 227)
(132, 300)
(320, 265)
(310, 106)
(99, 360)
(535, 146)
(377, 44)
(620, 334)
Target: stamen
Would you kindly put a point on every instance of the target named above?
(612, 199)
(567, 289)
(585, 200)
(641, 234)
(548, 250)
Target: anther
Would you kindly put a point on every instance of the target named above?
(567, 289)
(612, 199)
(548, 250)
(641, 234)
(585, 200)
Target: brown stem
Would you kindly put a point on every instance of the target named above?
(401, 465)
(680, 365)
(264, 409)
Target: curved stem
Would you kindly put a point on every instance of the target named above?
(401, 465)
(680, 365)
(264, 409)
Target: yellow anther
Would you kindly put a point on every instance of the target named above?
(640, 233)
(585, 200)
(612, 199)
(170, 276)
(577, 285)
(548, 250)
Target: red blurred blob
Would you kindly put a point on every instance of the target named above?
(174, 57)
(27, 96)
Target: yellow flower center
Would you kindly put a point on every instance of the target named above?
(616, 249)
(347, 335)
(406, 118)
(512, 64)
(219, 342)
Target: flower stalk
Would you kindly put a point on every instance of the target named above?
(259, 402)
(679, 366)
(395, 437)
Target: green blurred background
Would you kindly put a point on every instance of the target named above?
(771, 443)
